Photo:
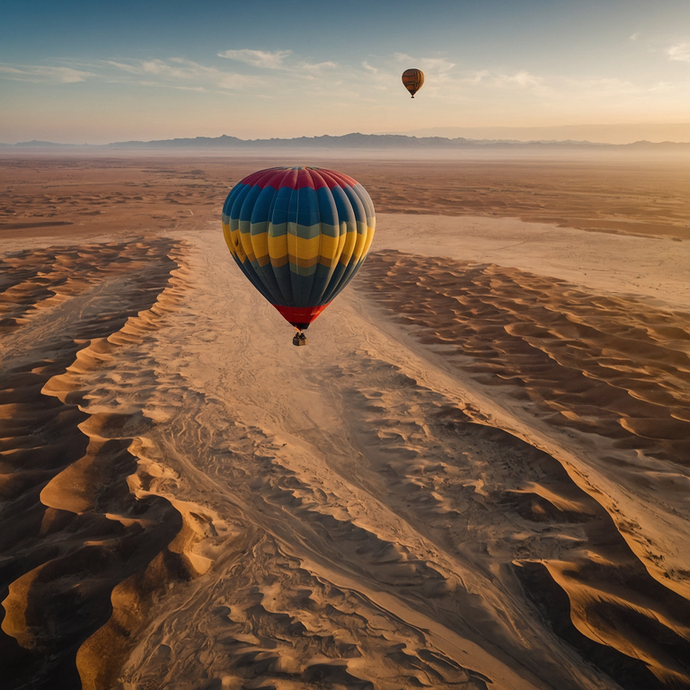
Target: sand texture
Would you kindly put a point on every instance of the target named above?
(475, 476)
(69, 195)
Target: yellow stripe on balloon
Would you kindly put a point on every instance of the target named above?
(232, 239)
(278, 250)
(370, 239)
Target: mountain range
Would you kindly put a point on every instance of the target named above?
(354, 140)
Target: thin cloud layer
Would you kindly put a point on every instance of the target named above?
(176, 68)
(40, 74)
(523, 79)
(282, 70)
(317, 68)
(680, 52)
(427, 65)
(278, 60)
(257, 58)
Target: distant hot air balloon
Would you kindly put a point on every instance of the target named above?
(413, 80)
(299, 235)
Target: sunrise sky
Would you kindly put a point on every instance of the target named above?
(78, 72)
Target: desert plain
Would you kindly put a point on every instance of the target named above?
(476, 475)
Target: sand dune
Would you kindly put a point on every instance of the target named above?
(73, 528)
(475, 476)
(611, 366)
(607, 367)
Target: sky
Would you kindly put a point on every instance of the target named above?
(86, 72)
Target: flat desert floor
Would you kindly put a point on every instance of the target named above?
(476, 475)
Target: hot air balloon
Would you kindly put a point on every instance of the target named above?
(299, 235)
(413, 80)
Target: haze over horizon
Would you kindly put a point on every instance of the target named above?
(73, 74)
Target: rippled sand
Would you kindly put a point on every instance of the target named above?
(475, 475)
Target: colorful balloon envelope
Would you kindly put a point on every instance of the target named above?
(413, 80)
(299, 235)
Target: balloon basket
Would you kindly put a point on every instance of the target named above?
(299, 339)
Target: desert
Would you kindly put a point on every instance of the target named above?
(475, 476)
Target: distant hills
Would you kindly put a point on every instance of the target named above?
(354, 141)
(620, 133)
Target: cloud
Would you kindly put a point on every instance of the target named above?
(438, 65)
(680, 51)
(139, 67)
(635, 36)
(476, 77)
(257, 58)
(157, 85)
(431, 65)
(609, 85)
(44, 74)
(277, 61)
(522, 78)
(316, 68)
(181, 69)
(484, 79)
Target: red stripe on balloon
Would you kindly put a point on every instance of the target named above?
(298, 178)
(336, 179)
(295, 315)
(260, 178)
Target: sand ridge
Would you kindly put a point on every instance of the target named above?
(536, 339)
(77, 529)
(602, 364)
